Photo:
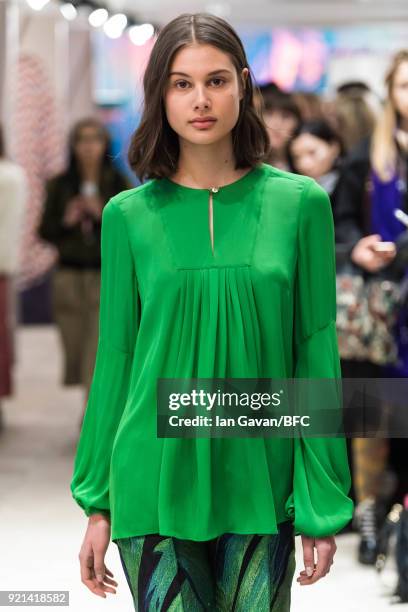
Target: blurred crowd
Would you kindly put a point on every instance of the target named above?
(355, 146)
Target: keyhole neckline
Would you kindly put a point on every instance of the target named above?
(216, 188)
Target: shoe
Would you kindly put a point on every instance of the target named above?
(367, 551)
(366, 521)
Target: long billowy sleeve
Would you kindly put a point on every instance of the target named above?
(319, 503)
(118, 325)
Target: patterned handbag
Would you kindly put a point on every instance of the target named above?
(367, 311)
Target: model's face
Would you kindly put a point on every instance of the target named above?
(89, 146)
(280, 125)
(313, 156)
(400, 90)
(203, 82)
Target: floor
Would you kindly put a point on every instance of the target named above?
(42, 527)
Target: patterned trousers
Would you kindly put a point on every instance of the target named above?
(231, 573)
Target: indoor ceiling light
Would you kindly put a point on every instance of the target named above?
(98, 17)
(37, 5)
(115, 25)
(139, 34)
(69, 11)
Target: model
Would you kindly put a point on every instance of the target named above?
(219, 266)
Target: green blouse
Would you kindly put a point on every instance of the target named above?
(257, 302)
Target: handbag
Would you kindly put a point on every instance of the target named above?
(367, 311)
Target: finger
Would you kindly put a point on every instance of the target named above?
(99, 565)
(92, 586)
(390, 253)
(308, 555)
(108, 571)
(321, 569)
(320, 572)
(324, 557)
(303, 577)
(88, 579)
(303, 572)
(105, 586)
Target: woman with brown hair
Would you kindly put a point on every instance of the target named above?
(355, 112)
(71, 221)
(281, 116)
(220, 266)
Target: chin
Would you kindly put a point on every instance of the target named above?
(204, 137)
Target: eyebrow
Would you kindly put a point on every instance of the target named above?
(209, 73)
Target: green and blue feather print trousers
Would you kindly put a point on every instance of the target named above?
(231, 573)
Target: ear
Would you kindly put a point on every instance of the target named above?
(244, 77)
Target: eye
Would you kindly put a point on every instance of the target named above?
(180, 82)
(218, 79)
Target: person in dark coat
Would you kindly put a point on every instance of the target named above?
(71, 221)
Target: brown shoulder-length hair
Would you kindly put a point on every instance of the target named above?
(154, 146)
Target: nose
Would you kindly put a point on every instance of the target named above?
(202, 99)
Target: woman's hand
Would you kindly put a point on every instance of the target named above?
(73, 212)
(365, 255)
(326, 547)
(93, 206)
(80, 206)
(94, 573)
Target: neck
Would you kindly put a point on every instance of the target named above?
(278, 157)
(90, 172)
(206, 166)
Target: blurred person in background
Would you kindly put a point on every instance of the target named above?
(356, 111)
(281, 117)
(373, 185)
(317, 151)
(71, 221)
(13, 188)
(309, 105)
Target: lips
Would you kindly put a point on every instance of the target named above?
(203, 123)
